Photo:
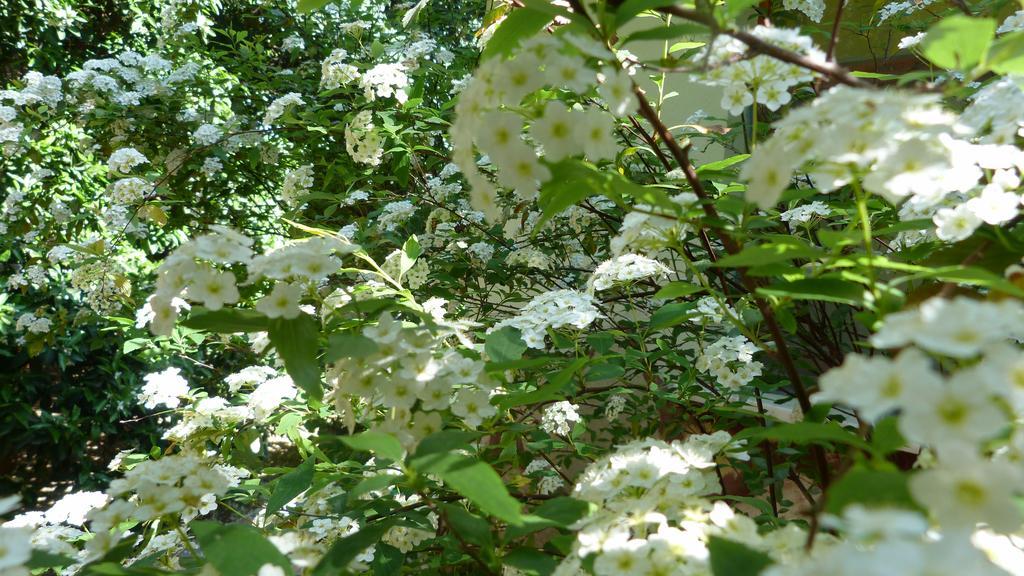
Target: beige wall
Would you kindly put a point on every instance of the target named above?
(692, 96)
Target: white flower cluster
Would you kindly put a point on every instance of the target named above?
(207, 134)
(129, 78)
(956, 416)
(362, 142)
(164, 388)
(559, 418)
(296, 182)
(902, 8)
(37, 88)
(278, 106)
(55, 530)
(306, 546)
(385, 81)
(805, 212)
(1012, 23)
(15, 542)
(730, 360)
(33, 323)
(415, 376)
(293, 42)
(10, 131)
(761, 78)
(127, 191)
(183, 484)
(904, 147)
(888, 541)
(996, 112)
(302, 262)
(709, 310)
(645, 230)
(335, 72)
(553, 309)
(124, 159)
(559, 131)
(394, 214)
(625, 269)
(814, 9)
(652, 513)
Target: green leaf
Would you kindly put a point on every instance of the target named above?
(530, 561)
(445, 441)
(777, 249)
(290, 485)
(348, 346)
(886, 437)
(311, 5)
(226, 320)
(630, 8)
(471, 527)
(411, 250)
(666, 32)
(504, 345)
(553, 389)
(379, 443)
(730, 558)
(958, 42)
(521, 23)
(43, 559)
(823, 289)
(734, 8)
(601, 342)
(805, 433)
(345, 550)
(237, 548)
(677, 290)
(671, 314)
(560, 512)
(296, 342)
(862, 485)
(475, 480)
(573, 181)
(372, 483)
(1006, 56)
(722, 164)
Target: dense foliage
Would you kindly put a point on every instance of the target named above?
(359, 287)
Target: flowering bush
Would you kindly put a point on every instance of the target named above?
(440, 289)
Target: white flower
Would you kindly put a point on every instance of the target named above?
(594, 131)
(617, 91)
(995, 205)
(556, 131)
(877, 385)
(956, 224)
(521, 170)
(73, 508)
(214, 288)
(473, 406)
(624, 269)
(969, 490)
(207, 135)
(960, 327)
(282, 302)
(271, 394)
(804, 213)
(953, 415)
(559, 418)
(15, 549)
(277, 107)
(552, 310)
(908, 42)
(124, 159)
(163, 388)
